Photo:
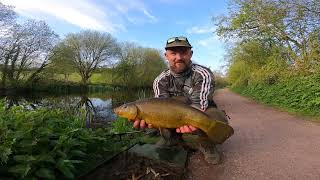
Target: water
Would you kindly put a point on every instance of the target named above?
(95, 106)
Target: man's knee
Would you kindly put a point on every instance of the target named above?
(167, 133)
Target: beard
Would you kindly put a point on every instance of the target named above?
(180, 67)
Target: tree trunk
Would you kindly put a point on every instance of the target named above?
(32, 78)
(4, 72)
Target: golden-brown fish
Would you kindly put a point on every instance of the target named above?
(171, 113)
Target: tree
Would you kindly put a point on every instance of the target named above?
(26, 48)
(91, 49)
(286, 23)
(125, 71)
(62, 61)
(152, 65)
(7, 20)
(138, 66)
(7, 17)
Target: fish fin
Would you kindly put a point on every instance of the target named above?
(219, 131)
(160, 131)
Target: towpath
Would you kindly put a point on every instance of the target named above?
(267, 144)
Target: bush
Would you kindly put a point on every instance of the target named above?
(121, 125)
(298, 94)
(48, 144)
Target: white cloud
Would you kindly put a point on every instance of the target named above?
(134, 20)
(201, 30)
(154, 19)
(108, 16)
(134, 11)
(209, 41)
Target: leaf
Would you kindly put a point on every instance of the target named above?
(74, 161)
(4, 153)
(73, 130)
(61, 153)
(24, 158)
(45, 158)
(45, 173)
(21, 169)
(62, 166)
(77, 152)
(44, 131)
(27, 143)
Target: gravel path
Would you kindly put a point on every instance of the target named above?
(267, 144)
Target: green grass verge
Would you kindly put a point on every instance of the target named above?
(298, 95)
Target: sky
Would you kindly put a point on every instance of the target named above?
(148, 23)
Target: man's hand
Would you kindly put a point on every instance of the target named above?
(141, 124)
(186, 129)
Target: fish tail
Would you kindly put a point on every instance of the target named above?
(219, 131)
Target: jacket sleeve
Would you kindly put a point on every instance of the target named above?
(160, 85)
(203, 88)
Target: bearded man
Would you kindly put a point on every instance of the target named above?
(192, 81)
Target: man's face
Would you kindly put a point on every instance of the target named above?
(179, 58)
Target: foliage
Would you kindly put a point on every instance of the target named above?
(121, 125)
(276, 57)
(61, 63)
(138, 66)
(239, 74)
(292, 25)
(220, 80)
(298, 94)
(25, 46)
(49, 144)
(30, 52)
(89, 50)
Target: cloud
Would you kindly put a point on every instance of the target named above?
(135, 12)
(201, 30)
(109, 16)
(154, 19)
(209, 42)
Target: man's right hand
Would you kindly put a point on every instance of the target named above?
(141, 124)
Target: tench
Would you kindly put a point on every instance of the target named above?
(172, 113)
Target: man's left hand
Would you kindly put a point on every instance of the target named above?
(186, 129)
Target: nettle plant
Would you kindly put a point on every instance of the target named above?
(44, 143)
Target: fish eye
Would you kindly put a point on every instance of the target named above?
(125, 107)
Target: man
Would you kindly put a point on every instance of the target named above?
(193, 81)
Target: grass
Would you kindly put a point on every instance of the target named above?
(96, 78)
(299, 95)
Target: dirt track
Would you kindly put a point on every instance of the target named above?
(267, 144)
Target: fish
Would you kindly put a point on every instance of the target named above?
(173, 113)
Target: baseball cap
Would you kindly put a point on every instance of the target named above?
(178, 42)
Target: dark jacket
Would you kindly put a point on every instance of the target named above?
(197, 84)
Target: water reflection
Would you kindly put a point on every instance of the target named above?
(95, 107)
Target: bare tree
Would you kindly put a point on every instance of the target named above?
(7, 20)
(7, 16)
(26, 48)
(91, 49)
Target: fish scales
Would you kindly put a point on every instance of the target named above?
(172, 113)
